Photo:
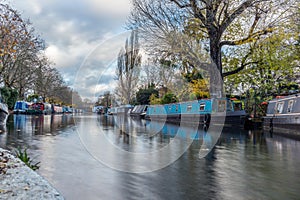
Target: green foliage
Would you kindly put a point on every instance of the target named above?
(169, 98)
(143, 95)
(22, 155)
(31, 97)
(272, 66)
(9, 96)
(154, 100)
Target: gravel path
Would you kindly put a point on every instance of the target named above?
(17, 181)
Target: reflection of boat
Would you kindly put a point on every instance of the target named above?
(283, 114)
(201, 112)
(172, 130)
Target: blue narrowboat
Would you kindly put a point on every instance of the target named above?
(220, 111)
(21, 107)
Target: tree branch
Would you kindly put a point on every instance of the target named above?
(180, 5)
(250, 38)
(237, 69)
(227, 21)
(257, 17)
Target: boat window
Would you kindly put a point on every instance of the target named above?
(202, 106)
(279, 107)
(229, 105)
(290, 106)
(170, 108)
(237, 106)
(189, 108)
(221, 106)
(176, 108)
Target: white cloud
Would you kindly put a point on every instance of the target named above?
(115, 8)
(82, 36)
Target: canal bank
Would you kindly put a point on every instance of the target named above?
(17, 181)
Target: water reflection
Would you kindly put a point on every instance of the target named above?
(131, 128)
(21, 129)
(151, 145)
(243, 164)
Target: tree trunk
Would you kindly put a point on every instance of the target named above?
(216, 78)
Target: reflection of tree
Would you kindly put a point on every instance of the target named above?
(37, 124)
(128, 69)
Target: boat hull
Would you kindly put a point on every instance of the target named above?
(283, 125)
(229, 121)
(3, 116)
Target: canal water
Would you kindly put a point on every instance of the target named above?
(89, 156)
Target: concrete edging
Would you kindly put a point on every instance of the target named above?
(18, 181)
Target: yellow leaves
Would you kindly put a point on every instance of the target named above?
(244, 41)
(200, 88)
(193, 28)
(154, 100)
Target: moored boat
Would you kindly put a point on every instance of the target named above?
(36, 108)
(67, 109)
(204, 112)
(139, 111)
(112, 111)
(283, 114)
(21, 107)
(56, 109)
(124, 110)
(3, 114)
(47, 109)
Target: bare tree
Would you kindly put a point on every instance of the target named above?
(128, 69)
(20, 50)
(158, 72)
(48, 81)
(188, 28)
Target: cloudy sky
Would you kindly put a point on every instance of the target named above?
(83, 38)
